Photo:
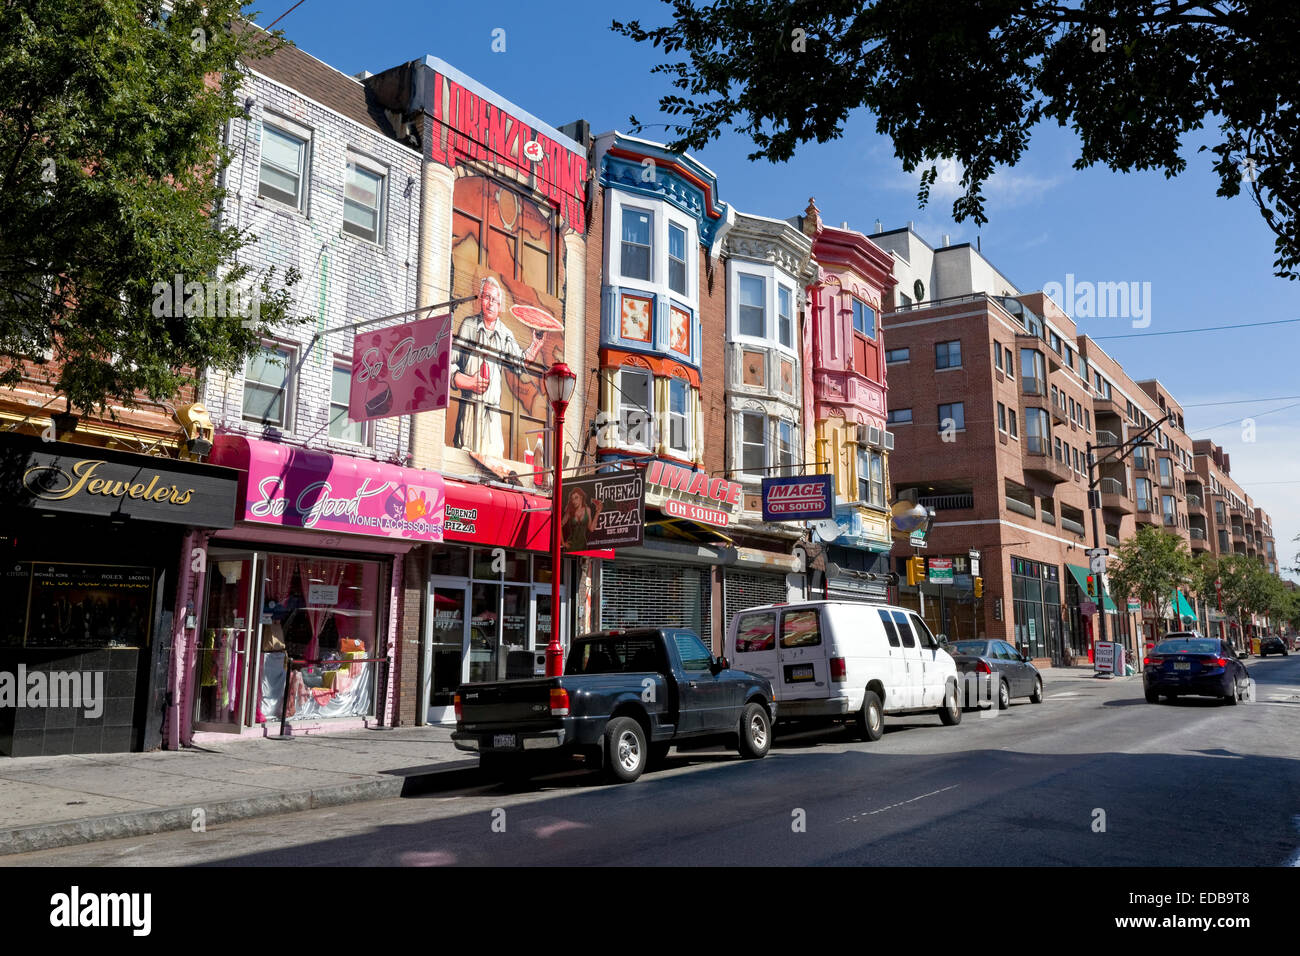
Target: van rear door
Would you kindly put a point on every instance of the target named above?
(751, 644)
(802, 669)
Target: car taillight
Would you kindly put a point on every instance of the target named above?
(559, 702)
(838, 670)
(460, 714)
(1214, 662)
(983, 666)
(1147, 661)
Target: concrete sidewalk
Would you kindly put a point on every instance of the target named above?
(60, 801)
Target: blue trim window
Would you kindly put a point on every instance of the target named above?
(676, 258)
(636, 244)
(864, 319)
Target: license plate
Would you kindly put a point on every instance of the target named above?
(799, 673)
(503, 740)
(1182, 666)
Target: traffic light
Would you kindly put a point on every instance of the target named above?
(979, 587)
(1092, 586)
(915, 571)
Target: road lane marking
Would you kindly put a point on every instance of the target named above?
(1068, 693)
(902, 803)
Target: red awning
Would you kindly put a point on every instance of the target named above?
(497, 517)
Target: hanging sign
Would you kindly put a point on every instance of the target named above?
(798, 499)
(400, 370)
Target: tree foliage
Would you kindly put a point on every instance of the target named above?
(951, 79)
(111, 116)
(1150, 566)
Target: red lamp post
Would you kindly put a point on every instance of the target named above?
(559, 381)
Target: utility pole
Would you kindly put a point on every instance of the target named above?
(1118, 453)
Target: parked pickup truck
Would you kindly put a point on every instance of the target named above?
(626, 697)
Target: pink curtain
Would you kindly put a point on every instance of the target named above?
(321, 572)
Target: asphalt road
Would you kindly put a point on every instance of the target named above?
(1094, 776)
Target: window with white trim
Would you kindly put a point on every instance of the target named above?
(864, 319)
(363, 199)
(753, 315)
(676, 258)
(871, 476)
(638, 227)
(267, 398)
(679, 416)
(785, 316)
(785, 437)
(340, 425)
(635, 410)
(753, 443)
(283, 174)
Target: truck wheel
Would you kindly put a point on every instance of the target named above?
(871, 718)
(950, 712)
(626, 752)
(755, 732)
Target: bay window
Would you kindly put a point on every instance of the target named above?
(636, 252)
(634, 407)
(753, 443)
(679, 416)
(677, 258)
(871, 477)
(753, 317)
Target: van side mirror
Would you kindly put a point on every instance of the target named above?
(720, 664)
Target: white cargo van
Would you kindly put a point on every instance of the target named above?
(840, 659)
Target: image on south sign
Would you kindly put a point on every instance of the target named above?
(536, 318)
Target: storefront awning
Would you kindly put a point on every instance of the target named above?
(497, 517)
(1080, 576)
(290, 487)
(1182, 607)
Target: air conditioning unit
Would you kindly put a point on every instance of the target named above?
(862, 435)
(889, 441)
(873, 436)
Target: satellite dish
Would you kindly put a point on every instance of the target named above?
(826, 529)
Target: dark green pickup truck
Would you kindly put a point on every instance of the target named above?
(626, 697)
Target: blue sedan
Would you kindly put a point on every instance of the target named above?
(1194, 666)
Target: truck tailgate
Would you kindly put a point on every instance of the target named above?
(510, 702)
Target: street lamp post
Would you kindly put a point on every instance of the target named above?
(559, 381)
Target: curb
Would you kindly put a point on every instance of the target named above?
(117, 826)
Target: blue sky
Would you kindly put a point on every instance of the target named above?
(1207, 259)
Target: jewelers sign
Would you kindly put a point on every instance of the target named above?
(798, 499)
(400, 370)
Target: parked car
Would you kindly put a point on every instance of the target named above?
(839, 660)
(1272, 645)
(1194, 665)
(625, 698)
(981, 662)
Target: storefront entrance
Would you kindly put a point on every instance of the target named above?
(489, 624)
(267, 608)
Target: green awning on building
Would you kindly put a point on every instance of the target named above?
(1181, 607)
(1080, 576)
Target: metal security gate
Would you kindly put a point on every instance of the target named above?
(656, 595)
(742, 589)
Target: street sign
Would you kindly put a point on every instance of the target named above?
(1134, 606)
(917, 542)
(1094, 499)
(1097, 564)
(940, 570)
(975, 567)
(1093, 552)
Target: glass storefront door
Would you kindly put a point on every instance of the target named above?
(446, 661)
(230, 630)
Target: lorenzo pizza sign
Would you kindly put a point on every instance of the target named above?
(798, 499)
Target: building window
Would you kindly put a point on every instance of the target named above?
(266, 386)
(896, 356)
(634, 417)
(947, 354)
(785, 432)
(677, 258)
(864, 319)
(997, 355)
(1037, 432)
(1055, 341)
(785, 317)
(1056, 442)
(636, 244)
(1166, 473)
(899, 416)
(753, 443)
(679, 416)
(1143, 488)
(1002, 417)
(363, 201)
(342, 427)
(953, 416)
(284, 166)
(871, 477)
(753, 321)
(1033, 379)
(1015, 426)
(1087, 421)
(1011, 365)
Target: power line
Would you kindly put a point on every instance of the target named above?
(1208, 328)
(1244, 401)
(1237, 421)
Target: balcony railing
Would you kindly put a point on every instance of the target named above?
(1199, 534)
(1194, 501)
(1112, 486)
(1069, 524)
(1112, 540)
(1106, 437)
(948, 502)
(1019, 507)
